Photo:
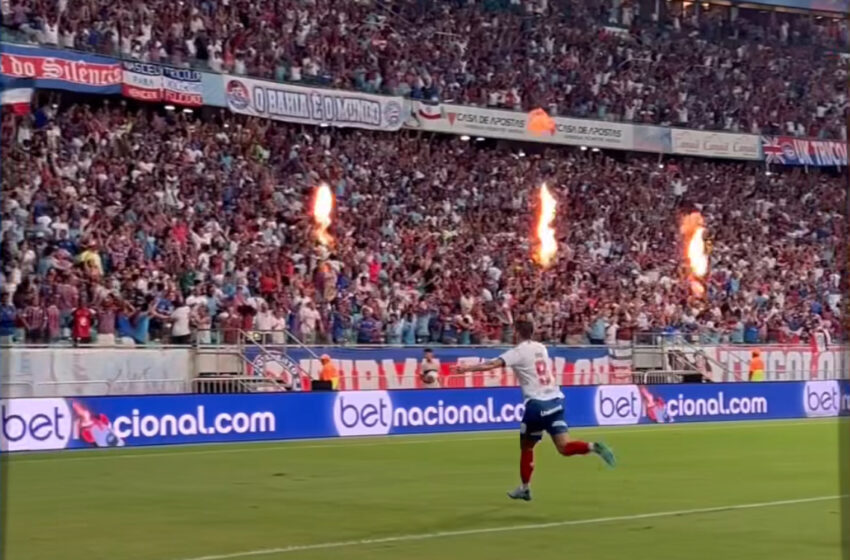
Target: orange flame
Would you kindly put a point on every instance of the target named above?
(546, 244)
(322, 207)
(693, 233)
(539, 122)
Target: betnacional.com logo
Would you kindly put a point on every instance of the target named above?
(366, 413)
(35, 424)
(617, 405)
(822, 398)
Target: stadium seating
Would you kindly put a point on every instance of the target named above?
(134, 212)
(706, 67)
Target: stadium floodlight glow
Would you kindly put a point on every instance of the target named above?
(660, 166)
(479, 139)
(768, 173)
(584, 148)
(594, 150)
(465, 138)
(169, 107)
(187, 110)
(324, 125)
(521, 153)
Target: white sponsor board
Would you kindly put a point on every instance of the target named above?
(726, 363)
(313, 105)
(61, 372)
(716, 144)
(35, 424)
(824, 398)
(513, 125)
(365, 413)
(617, 405)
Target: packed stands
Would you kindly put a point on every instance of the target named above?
(697, 66)
(163, 223)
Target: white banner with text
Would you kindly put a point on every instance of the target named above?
(313, 105)
(715, 144)
(63, 372)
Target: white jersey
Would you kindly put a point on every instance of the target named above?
(531, 364)
(431, 373)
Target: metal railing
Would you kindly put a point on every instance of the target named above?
(656, 377)
(227, 384)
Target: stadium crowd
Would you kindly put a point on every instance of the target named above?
(137, 225)
(710, 67)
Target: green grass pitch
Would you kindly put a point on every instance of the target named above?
(439, 497)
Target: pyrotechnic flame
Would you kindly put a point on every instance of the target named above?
(322, 208)
(540, 123)
(693, 233)
(546, 244)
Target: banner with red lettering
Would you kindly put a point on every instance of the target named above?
(787, 150)
(142, 81)
(366, 368)
(724, 363)
(55, 69)
(182, 86)
(363, 368)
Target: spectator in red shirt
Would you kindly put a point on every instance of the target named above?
(53, 332)
(35, 321)
(82, 322)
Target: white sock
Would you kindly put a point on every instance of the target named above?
(593, 447)
(524, 486)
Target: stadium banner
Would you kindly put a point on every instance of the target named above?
(787, 150)
(312, 105)
(731, 362)
(841, 6)
(368, 368)
(142, 81)
(85, 422)
(182, 86)
(60, 372)
(513, 125)
(365, 368)
(57, 69)
(715, 144)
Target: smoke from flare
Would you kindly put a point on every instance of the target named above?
(546, 244)
(693, 233)
(322, 208)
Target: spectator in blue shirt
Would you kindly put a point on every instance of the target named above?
(423, 322)
(394, 329)
(366, 330)
(8, 319)
(751, 332)
(408, 329)
(596, 333)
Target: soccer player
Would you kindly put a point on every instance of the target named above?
(544, 406)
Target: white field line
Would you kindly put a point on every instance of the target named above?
(50, 457)
(508, 529)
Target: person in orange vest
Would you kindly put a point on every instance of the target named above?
(329, 372)
(756, 367)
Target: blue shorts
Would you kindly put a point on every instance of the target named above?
(540, 416)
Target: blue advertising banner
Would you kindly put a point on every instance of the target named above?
(58, 69)
(84, 422)
(364, 368)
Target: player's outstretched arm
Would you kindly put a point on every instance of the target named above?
(484, 366)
